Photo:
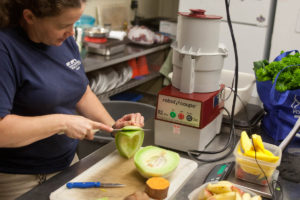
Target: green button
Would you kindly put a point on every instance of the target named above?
(173, 114)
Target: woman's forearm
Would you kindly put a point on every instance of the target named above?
(90, 107)
(18, 131)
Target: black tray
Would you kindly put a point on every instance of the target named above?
(247, 117)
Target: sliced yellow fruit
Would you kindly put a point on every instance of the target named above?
(245, 142)
(267, 152)
(250, 169)
(258, 143)
(262, 156)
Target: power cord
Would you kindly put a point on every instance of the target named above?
(194, 154)
(239, 98)
(275, 184)
(250, 127)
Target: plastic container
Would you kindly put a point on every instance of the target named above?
(196, 193)
(247, 169)
(85, 21)
(245, 87)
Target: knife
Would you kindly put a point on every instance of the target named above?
(115, 130)
(71, 185)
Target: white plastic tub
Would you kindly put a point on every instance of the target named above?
(246, 83)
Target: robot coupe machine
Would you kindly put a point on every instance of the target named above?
(187, 121)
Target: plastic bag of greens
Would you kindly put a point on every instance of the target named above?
(278, 86)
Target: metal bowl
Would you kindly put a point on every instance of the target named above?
(96, 32)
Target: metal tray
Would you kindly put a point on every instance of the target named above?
(112, 46)
(96, 32)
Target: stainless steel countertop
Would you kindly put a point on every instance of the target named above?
(43, 191)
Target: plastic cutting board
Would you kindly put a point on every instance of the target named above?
(116, 169)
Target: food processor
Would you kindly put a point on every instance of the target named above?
(189, 111)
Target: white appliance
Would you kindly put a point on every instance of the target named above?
(252, 24)
(188, 113)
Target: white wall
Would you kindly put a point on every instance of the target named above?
(114, 12)
(118, 12)
(158, 8)
(148, 8)
(286, 32)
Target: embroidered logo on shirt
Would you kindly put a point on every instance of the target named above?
(74, 64)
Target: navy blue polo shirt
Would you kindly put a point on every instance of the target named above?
(35, 80)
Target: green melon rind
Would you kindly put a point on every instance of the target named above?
(131, 128)
(146, 171)
(122, 138)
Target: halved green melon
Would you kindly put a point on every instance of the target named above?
(129, 140)
(153, 161)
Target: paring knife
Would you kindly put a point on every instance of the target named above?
(71, 185)
(115, 130)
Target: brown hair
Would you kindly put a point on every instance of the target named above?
(11, 10)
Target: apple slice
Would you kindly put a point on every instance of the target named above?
(220, 187)
(238, 190)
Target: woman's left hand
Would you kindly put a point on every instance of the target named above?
(133, 119)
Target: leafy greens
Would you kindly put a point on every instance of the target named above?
(289, 79)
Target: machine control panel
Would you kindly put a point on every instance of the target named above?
(178, 110)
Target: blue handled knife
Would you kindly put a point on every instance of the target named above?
(71, 185)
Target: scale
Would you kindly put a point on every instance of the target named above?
(106, 48)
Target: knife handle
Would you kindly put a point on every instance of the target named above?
(71, 185)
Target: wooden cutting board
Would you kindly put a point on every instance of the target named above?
(116, 169)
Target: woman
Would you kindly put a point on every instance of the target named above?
(42, 87)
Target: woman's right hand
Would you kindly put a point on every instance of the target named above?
(79, 127)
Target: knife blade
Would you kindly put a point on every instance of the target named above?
(71, 185)
(115, 130)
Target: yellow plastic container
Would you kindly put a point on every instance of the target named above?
(247, 169)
